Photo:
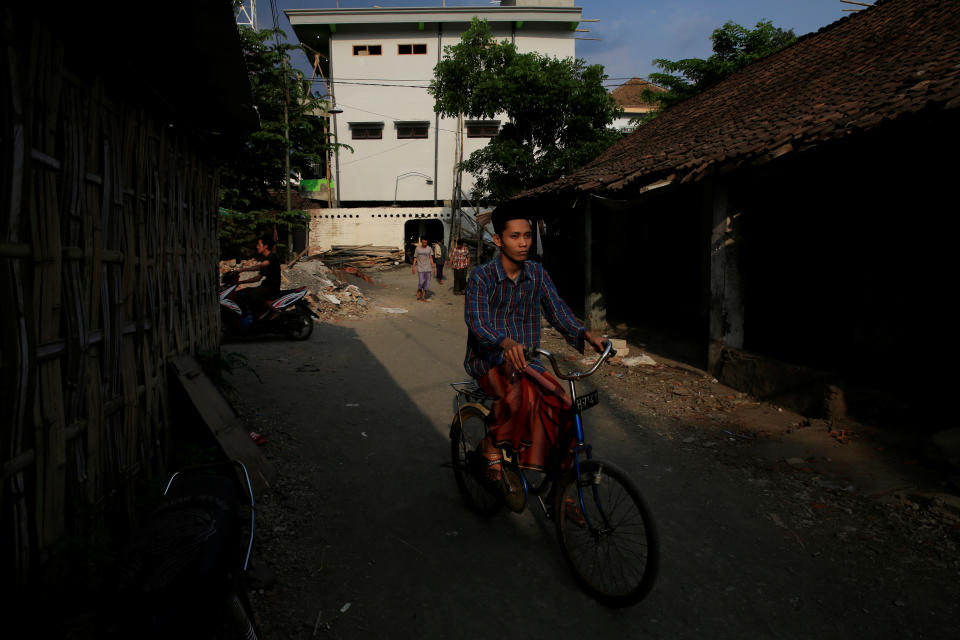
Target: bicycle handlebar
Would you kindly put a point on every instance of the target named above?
(608, 352)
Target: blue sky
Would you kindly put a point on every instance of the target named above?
(632, 32)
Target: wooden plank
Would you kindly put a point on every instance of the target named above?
(726, 278)
(222, 421)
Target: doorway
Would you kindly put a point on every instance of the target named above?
(413, 230)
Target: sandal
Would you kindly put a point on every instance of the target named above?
(511, 484)
(492, 458)
(505, 479)
(494, 476)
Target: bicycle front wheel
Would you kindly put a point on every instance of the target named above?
(611, 543)
(468, 430)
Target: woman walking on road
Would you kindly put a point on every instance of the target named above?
(423, 266)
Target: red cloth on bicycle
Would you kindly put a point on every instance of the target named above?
(531, 413)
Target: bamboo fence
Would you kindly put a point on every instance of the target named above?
(108, 267)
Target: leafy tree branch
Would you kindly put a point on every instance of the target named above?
(558, 111)
(734, 47)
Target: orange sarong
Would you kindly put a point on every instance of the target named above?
(531, 412)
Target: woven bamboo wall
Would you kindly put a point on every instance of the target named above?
(108, 256)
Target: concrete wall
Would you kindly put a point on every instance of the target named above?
(378, 226)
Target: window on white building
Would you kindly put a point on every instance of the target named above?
(412, 129)
(412, 49)
(367, 50)
(366, 130)
(482, 128)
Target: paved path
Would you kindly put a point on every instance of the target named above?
(369, 516)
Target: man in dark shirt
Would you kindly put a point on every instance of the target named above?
(269, 270)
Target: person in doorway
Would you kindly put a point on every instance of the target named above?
(439, 257)
(459, 261)
(504, 299)
(423, 266)
(269, 270)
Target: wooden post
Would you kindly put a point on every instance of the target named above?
(542, 228)
(726, 282)
(595, 305)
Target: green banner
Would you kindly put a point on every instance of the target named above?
(315, 184)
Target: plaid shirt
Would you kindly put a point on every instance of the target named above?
(460, 258)
(497, 307)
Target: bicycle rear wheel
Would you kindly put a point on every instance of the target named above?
(612, 547)
(467, 431)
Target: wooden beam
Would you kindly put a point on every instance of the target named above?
(594, 305)
(726, 282)
(222, 420)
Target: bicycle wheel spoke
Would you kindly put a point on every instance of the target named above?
(615, 555)
(466, 432)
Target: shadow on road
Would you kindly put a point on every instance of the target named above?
(370, 538)
(367, 513)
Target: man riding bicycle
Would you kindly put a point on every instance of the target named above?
(504, 300)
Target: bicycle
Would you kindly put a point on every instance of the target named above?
(603, 523)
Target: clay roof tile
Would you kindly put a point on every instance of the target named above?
(873, 66)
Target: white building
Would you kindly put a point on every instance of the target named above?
(399, 180)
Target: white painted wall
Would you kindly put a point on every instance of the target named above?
(378, 226)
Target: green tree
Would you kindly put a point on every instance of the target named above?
(558, 111)
(256, 172)
(253, 178)
(734, 47)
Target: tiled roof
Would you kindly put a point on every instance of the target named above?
(630, 93)
(896, 58)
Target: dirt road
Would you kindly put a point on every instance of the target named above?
(764, 535)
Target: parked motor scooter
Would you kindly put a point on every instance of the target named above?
(293, 317)
(185, 572)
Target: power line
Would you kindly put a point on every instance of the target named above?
(378, 84)
(334, 79)
(400, 85)
(394, 148)
(428, 79)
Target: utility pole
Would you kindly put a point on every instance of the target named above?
(286, 132)
(286, 128)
